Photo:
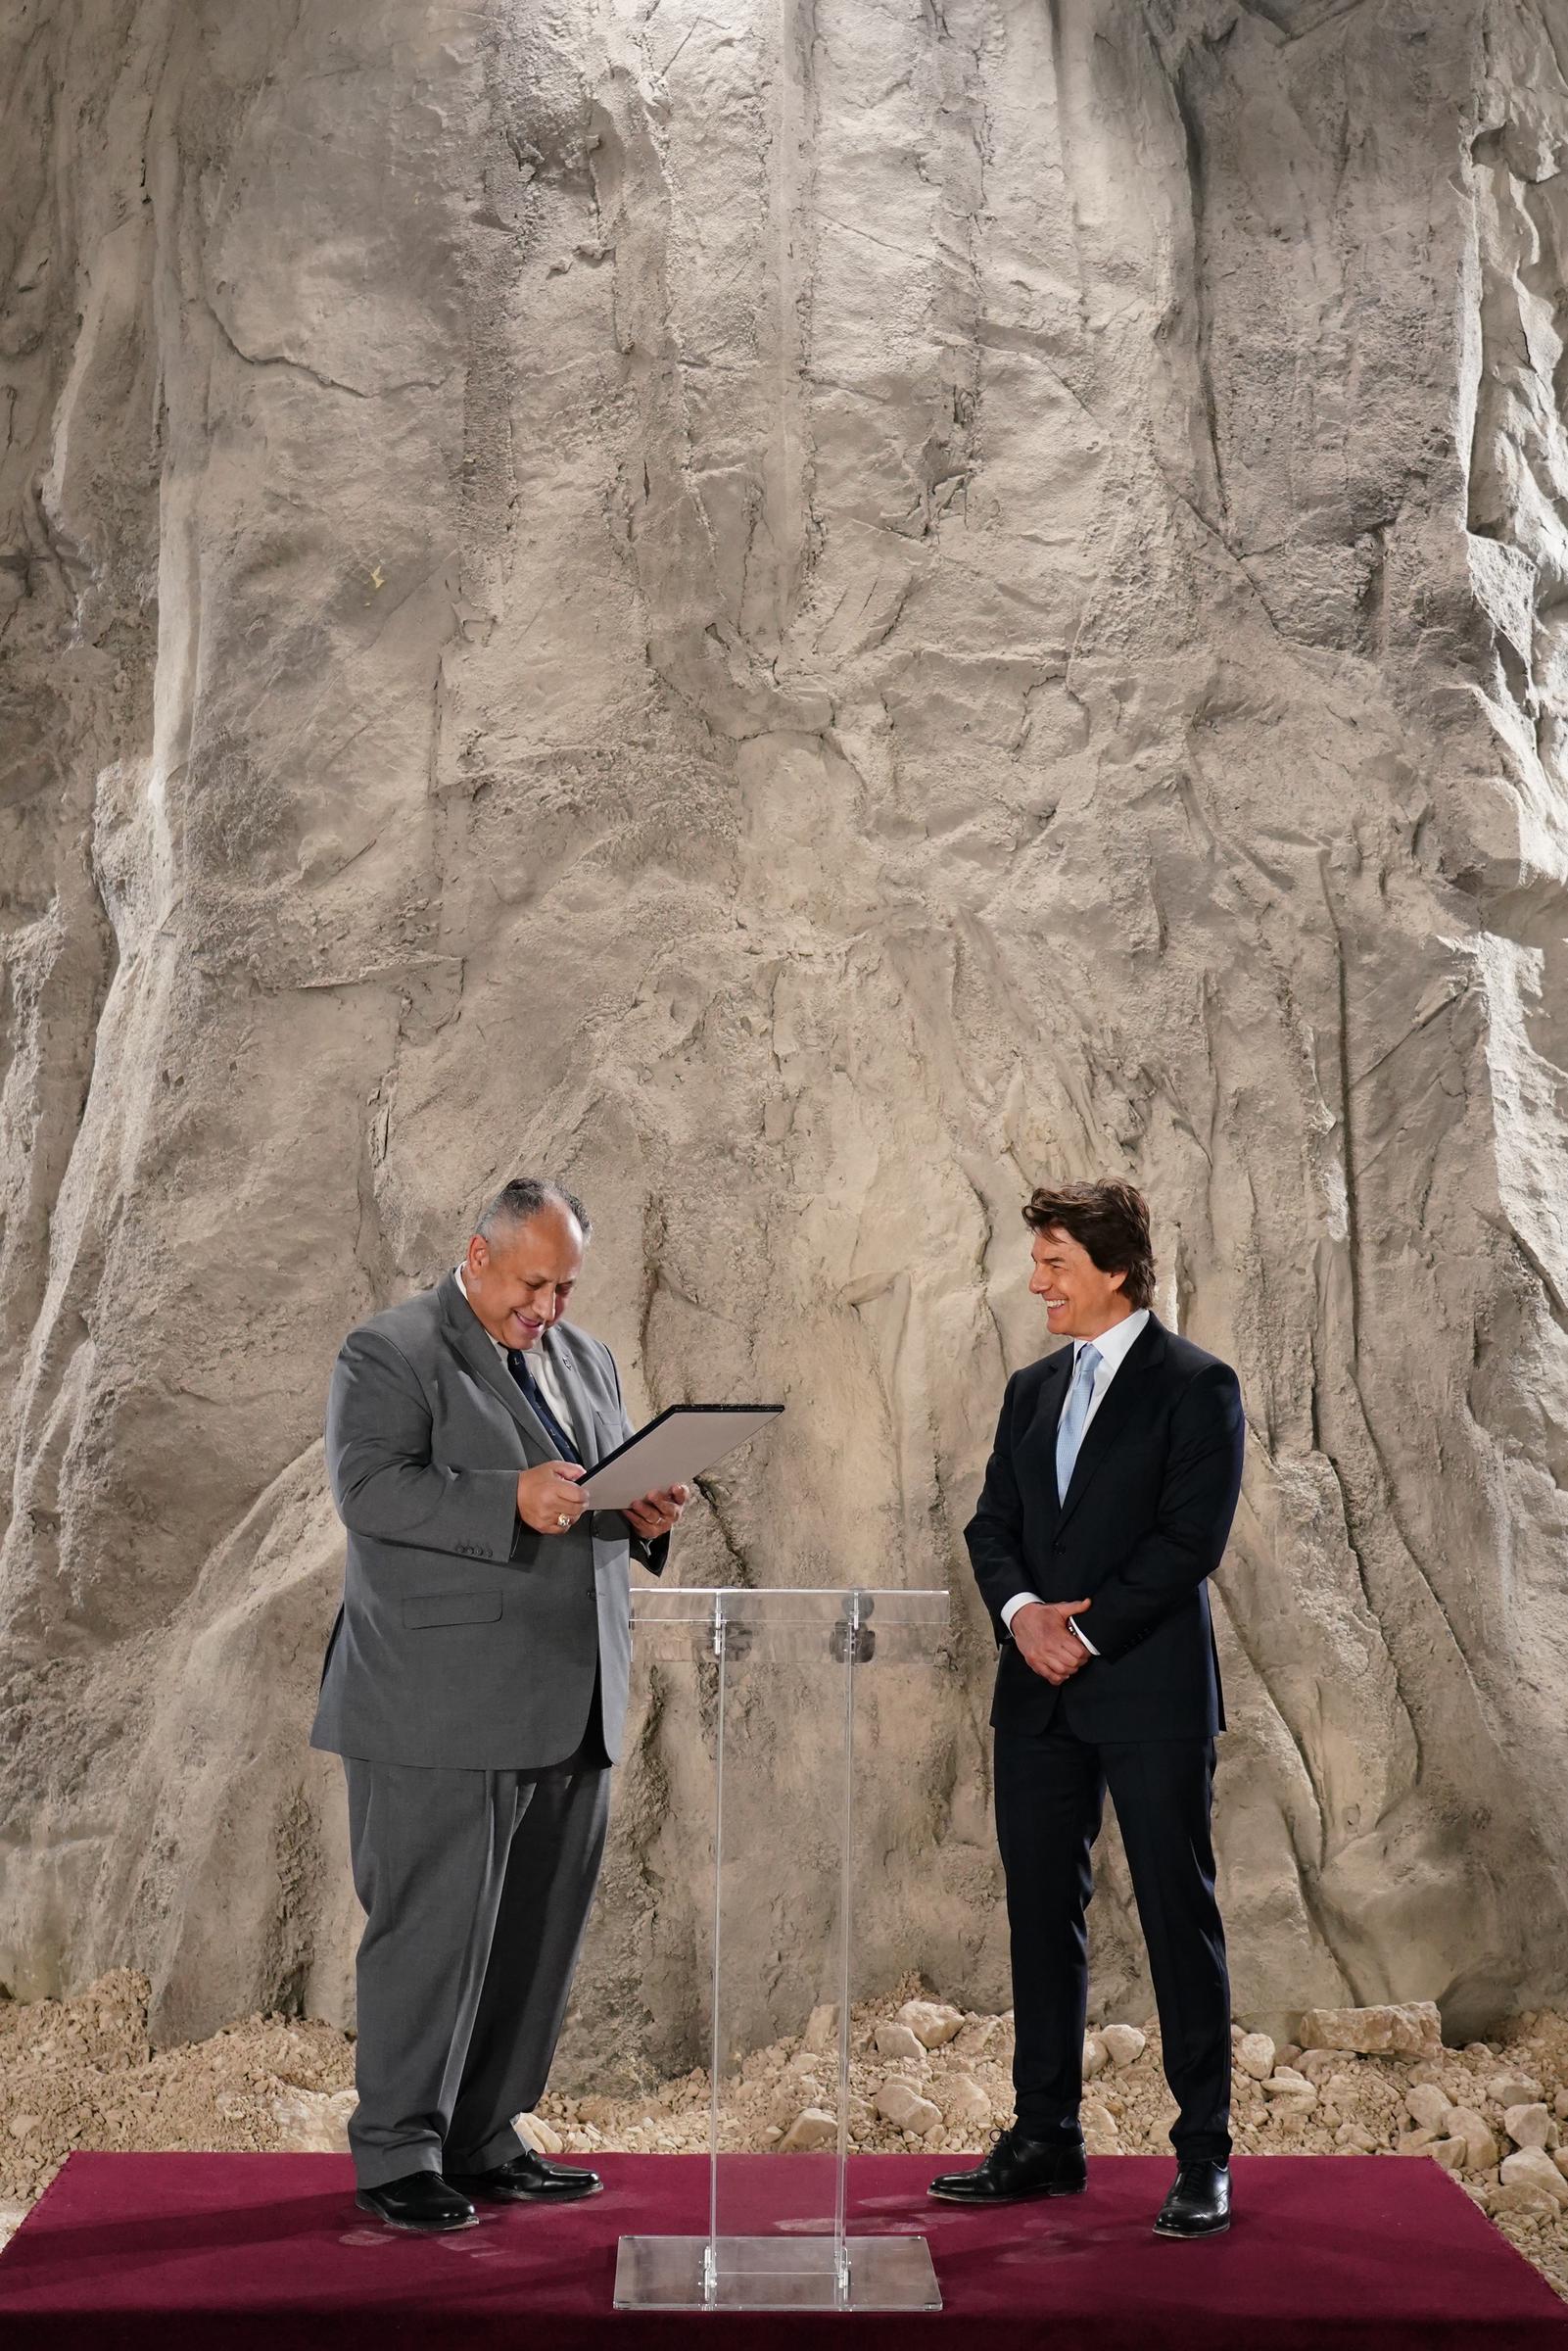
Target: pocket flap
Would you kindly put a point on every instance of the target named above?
(452, 1607)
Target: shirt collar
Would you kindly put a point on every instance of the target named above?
(1115, 1344)
(495, 1342)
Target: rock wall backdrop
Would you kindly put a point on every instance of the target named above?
(803, 614)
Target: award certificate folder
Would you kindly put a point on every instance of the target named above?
(671, 1450)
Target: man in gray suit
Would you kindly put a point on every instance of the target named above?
(475, 1687)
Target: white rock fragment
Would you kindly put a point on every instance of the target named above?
(906, 2109)
(1095, 2059)
(1517, 2196)
(1289, 2093)
(1428, 2105)
(1123, 2045)
(932, 2022)
(821, 2029)
(965, 2104)
(1463, 2122)
(310, 2122)
(813, 2126)
(1533, 2166)
(1254, 2054)
(1452, 2153)
(1530, 2126)
(1407, 2028)
(1100, 2135)
(541, 2136)
(894, 2039)
(1513, 2089)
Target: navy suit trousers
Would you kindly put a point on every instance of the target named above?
(1050, 1793)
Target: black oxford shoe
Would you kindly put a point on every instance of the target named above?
(1016, 2167)
(529, 2179)
(421, 2203)
(1199, 2204)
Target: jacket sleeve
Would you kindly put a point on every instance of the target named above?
(1197, 1504)
(995, 1533)
(654, 1556)
(384, 1482)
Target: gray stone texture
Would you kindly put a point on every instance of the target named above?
(801, 617)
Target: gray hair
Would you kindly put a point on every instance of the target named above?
(517, 1202)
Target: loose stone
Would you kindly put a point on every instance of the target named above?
(1429, 2106)
(907, 2110)
(1533, 2166)
(1256, 2056)
(931, 2022)
(813, 2126)
(1407, 2028)
(1530, 2126)
(965, 2104)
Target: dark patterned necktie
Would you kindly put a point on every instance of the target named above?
(517, 1366)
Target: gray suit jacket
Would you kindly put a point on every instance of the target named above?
(465, 1641)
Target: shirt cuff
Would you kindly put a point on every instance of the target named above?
(1019, 1600)
(1075, 1627)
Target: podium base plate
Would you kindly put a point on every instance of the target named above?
(774, 2273)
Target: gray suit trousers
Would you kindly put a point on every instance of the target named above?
(476, 1887)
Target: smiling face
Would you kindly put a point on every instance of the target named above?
(520, 1279)
(1080, 1301)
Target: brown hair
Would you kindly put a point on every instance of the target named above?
(1110, 1219)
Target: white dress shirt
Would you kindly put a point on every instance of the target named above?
(1114, 1346)
(544, 1371)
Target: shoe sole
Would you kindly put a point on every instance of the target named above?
(416, 2228)
(1177, 2237)
(530, 2195)
(1020, 2196)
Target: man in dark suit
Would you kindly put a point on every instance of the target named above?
(475, 1686)
(1113, 1480)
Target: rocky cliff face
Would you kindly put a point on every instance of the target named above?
(802, 617)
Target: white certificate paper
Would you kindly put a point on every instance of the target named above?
(673, 1451)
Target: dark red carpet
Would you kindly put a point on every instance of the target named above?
(128, 2252)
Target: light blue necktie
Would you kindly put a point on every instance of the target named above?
(1075, 1412)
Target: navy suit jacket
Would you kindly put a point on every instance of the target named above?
(1143, 1524)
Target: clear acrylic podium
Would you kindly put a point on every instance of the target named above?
(784, 1697)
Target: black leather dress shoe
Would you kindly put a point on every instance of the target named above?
(1199, 2204)
(529, 2179)
(1016, 2167)
(422, 2202)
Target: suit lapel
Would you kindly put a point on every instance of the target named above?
(474, 1344)
(584, 1424)
(1117, 1406)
